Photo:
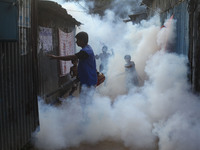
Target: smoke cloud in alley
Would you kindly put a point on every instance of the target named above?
(162, 109)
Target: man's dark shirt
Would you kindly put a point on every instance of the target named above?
(87, 66)
(82, 55)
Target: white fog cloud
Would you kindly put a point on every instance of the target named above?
(161, 108)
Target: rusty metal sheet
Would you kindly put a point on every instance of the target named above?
(18, 95)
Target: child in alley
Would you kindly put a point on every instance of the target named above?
(130, 71)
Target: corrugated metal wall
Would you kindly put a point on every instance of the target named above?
(187, 14)
(18, 93)
(181, 16)
(194, 54)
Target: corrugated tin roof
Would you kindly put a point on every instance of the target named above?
(133, 17)
(137, 14)
(57, 8)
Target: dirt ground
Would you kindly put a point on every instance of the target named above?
(104, 145)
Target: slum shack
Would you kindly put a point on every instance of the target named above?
(56, 35)
(18, 73)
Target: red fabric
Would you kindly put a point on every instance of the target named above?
(100, 79)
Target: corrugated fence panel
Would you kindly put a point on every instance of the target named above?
(18, 96)
(182, 26)
(18, 106)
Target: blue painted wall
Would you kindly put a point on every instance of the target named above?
(8, 20)
(182, 26)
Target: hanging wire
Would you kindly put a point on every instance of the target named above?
(82, 6)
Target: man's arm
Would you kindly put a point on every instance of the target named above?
(66, 58)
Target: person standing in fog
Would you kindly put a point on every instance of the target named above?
(131, 74)
(104, 57)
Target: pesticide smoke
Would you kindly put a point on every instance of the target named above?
(161, 108)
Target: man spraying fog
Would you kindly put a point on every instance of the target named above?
(87, 73)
